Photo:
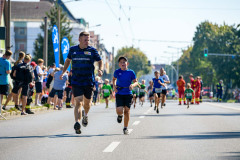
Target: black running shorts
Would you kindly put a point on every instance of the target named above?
(87, 91)
(124, 100)
(4, 89)
(164, 91)
(17, 85)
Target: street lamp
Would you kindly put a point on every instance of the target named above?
(178, 51)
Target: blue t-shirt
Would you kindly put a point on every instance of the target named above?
(124, 79)
(83, 65)
(156, 84)
(60, 84)
(4, 66)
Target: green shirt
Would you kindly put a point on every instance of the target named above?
(142, 89)
(106, 90)
(188, 93)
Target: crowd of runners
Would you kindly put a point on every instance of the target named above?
(80, 88)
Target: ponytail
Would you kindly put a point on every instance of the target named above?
(20, 57)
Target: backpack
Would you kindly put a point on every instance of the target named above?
(23, 73)
(11, 74)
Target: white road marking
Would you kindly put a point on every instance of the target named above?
(149, 110)
(218, 105)
(130, 130)
(111, 147)
(136, 123)
(141, 116)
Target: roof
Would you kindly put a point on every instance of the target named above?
(29, 10)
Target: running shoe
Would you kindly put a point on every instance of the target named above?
(187, 106)
(151, 105)
(28, 111)
(4, 107)
(155, 108)
(77, 128)
(119, 119)
(23, 113)
(164, 104)
(38, 104)
(157, 111)
(59, 108)
(69, 106)
(85, 121)
(18, 108)
(125, 131)
(161, 106)
(179, 104)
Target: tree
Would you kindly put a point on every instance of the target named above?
(64, 32)
(138, 61)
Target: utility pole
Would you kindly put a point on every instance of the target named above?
(113, 61)
(59, 30)
(45, 45)
(8, 27)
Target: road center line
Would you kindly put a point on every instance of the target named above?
(141, 116)
(217, 105)
(149, 110)
(111, 147)
(130, 130)
(136, 123)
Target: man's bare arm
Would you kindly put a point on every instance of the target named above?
(66, 65)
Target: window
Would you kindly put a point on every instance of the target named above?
(21, 31)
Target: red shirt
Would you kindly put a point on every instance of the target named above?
(192, 83)
(197, 85)
(181, 85)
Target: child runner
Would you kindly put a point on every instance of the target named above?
(150, 92)
(122, 84)
(142, 92)
(135, 93)
(188, 94)
(107, 90)
(157, 89)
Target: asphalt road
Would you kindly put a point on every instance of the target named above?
(204, 132)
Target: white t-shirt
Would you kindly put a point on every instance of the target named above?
(165, 78)
(50, 70)
(39, 71)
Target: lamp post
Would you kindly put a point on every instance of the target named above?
(178, 51)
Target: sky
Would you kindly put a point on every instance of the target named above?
(159, 21)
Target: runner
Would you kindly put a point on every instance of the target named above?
(197, 87)
(142, 92)
(135, 93)
(188, 94)
(107, 91)
(83, 57)
(219, 91)
(122, 84)
(150, 92)
(192, 86)
(166, 80)
(181, 88)
(157, 89)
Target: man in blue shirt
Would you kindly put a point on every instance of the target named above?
(122, 85)
(5, 69)
(157, 89)
(83, 57)
(58, 88)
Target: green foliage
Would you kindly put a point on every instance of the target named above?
(223, 39)
(138, 61)
(65, 32)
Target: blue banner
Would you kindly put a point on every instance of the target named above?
(55, 40)
(65, 46)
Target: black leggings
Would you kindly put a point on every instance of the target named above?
(69, 96)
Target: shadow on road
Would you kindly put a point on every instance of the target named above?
(231, 156)
(60, 136)
(194, 114)
(202, 136)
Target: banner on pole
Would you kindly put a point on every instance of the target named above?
(55, 40)
(65, 46)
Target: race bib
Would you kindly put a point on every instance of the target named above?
(142, 90)
(106, 90)
(158, 90)
(189, 94)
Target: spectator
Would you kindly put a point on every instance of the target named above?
(58, 88)
(50, 77)
(23, 77)
(19, 61)
(5, 69)
(39, 81)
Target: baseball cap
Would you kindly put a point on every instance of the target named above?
(122, 57)
(33, 64)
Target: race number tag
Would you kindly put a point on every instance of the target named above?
(189, 94)
(106, 90)
(142, 90)
(158, 90)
